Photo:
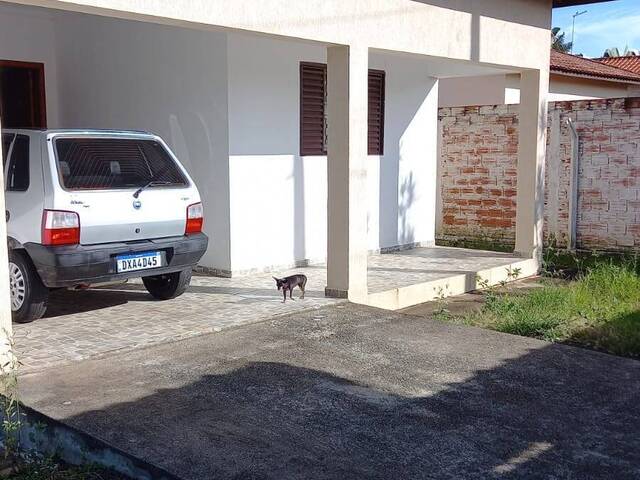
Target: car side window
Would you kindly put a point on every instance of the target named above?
(18, 170)
(6, 143)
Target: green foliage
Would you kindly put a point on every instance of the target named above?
(47, 468)
(600, 309)
(570, 264)
(494, 292)
(558, 41)
(441, 312)
(9, 400)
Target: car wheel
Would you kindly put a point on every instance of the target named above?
(29, 296)
(169, 285)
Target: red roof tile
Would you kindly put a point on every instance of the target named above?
(630, 62)
(571, 64)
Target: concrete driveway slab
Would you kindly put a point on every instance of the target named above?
(354, 392)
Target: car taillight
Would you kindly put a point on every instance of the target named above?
(194, 219)
(60, 228)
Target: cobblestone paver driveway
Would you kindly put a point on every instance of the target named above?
(83, 324)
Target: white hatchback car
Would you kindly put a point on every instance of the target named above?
(92, 207)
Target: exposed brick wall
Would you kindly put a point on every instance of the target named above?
(609, 173)
(478, 172)
(478, 167)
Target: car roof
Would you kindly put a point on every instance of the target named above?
(83, 131)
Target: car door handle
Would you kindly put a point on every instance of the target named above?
(7, 215)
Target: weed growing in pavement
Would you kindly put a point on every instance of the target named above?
(441, 312)
(9, 399)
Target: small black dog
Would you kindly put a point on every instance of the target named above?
(289, 283)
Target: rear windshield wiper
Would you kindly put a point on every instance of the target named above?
(150, 183)
(154, 180)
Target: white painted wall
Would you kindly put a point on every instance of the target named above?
(456, 29)
(279, 199)
(228, 104)
(407, 171)
(170, 81)
(476, 90)
(568, 88)
(505, 89)
(27, 34)
(512, 89)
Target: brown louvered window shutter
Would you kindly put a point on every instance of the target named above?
(313, 124)
(376, 112)
(313, 102)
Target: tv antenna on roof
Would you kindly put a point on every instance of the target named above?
(573, 27)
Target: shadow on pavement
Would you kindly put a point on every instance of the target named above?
(67, 302)
(550, 413)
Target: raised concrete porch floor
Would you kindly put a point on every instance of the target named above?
(402, 279)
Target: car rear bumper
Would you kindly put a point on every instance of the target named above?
(68, 266)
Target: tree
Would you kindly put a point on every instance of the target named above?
(558, 42)
(614, 52)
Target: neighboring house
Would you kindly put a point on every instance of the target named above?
(290, 164)
(628, 62)
(571, 78)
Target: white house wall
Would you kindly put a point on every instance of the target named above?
(28, 34)
(407, 171)
(564, 88)
(279, 199)
(476, 90)
(167, 80)
(228, 104)
(468, 30)
(505, 89)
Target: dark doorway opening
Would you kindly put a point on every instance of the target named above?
(22, 95)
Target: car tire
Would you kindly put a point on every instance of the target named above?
(29, 296)
(169, 285)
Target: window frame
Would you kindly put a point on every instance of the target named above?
(60, 177)
(305, 149)
(9, 161)
(381, 74)
(38, 92)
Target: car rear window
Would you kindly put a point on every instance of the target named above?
(113, 163)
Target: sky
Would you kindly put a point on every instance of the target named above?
(605, 25)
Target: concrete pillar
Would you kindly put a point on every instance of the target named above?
(534, 87)
(347, 98)
(6, 331)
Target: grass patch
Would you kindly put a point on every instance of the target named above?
(49, 469)
(570, 264)
(600, 309)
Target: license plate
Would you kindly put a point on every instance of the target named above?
(138, 261)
